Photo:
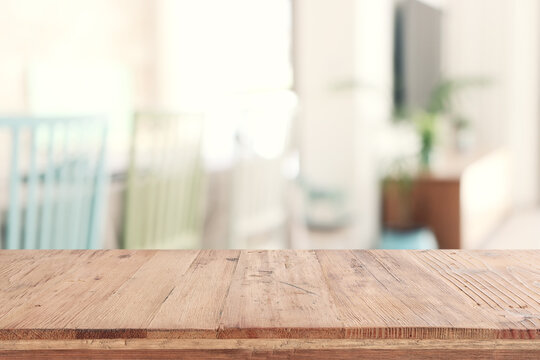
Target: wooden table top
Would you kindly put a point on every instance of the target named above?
(331, 296)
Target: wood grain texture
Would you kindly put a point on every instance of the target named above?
(271, 349)
(279, 295)
(321, 354)
(270, 304)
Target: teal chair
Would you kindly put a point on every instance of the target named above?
(55, 177)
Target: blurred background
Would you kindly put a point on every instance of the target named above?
(269, 124)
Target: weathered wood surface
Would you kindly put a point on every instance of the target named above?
(270, 304)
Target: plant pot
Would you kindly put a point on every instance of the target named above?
(398, 204)
(420, 238)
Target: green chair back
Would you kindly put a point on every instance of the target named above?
(165, 188)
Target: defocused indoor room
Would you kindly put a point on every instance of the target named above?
(269, 124)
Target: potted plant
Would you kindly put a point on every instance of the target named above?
(441, 106)
(398, 196)
(400, 199)
(399, 206)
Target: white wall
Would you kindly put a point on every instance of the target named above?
(523, 124)
(209, 48)
(339, 42)
(107, 32)
(500, 39)
(374, 28)
(213, 55)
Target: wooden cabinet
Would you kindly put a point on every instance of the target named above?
(462, 202)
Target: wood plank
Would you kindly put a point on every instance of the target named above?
(279, 294)
(51, 304)
(420, 294)
(321, 354)
(23, 273)
(270, 304)
(271, 349)
(21, 270)
(265, 344)
(143, 294)
(503, 286)
(194, 306)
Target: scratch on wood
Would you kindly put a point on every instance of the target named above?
(298, 287)
(169, 294)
